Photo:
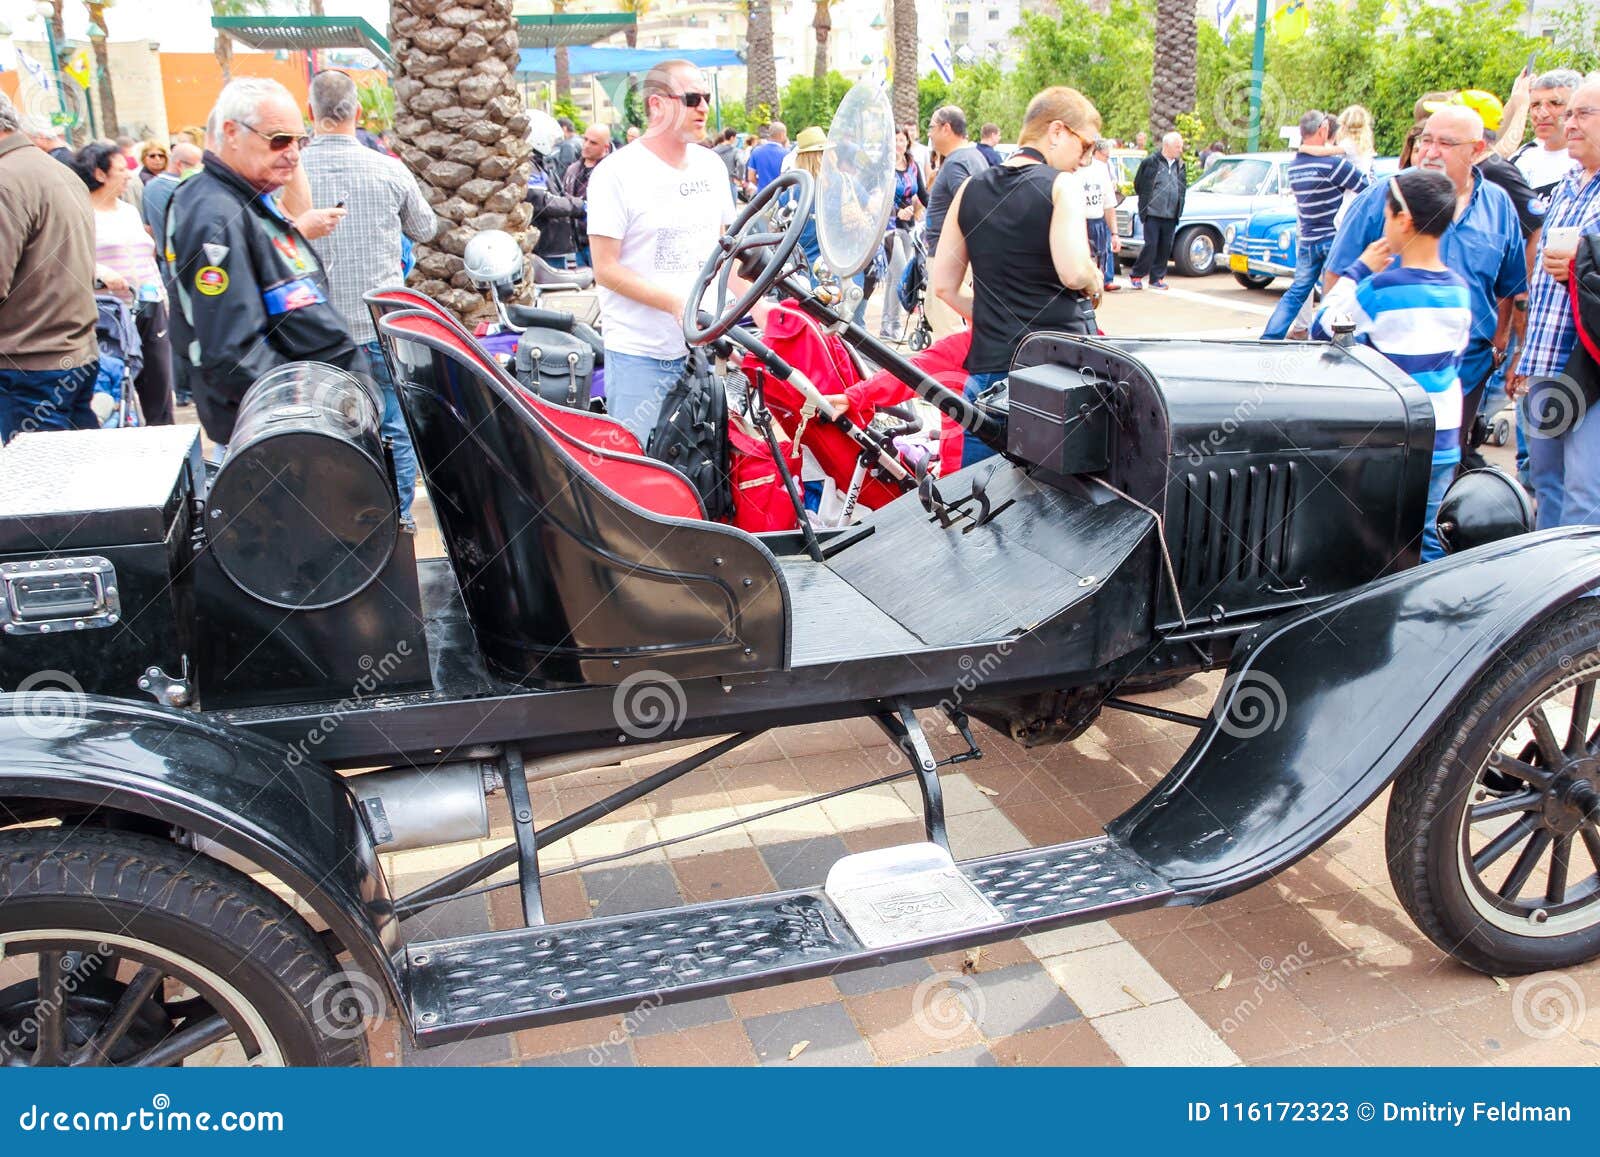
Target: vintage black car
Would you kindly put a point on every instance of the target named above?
(221, 671)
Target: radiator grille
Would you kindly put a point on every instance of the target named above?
(1232, 524)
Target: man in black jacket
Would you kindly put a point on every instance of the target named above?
(252, 294)
(1161, 185)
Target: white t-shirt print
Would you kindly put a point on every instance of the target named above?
(668, 221)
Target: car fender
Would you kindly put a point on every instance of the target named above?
(289, 816)
(1321, 709)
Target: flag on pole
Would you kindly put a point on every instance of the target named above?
(944, 66)
(1291, 19)
(81, 67)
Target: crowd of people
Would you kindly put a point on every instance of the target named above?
(1456, 268)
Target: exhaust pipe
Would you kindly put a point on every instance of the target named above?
(423, 807)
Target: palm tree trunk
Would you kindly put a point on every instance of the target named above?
(1172, 83)
(460, 124)
(761, 70)
(102, 60)
(905, 62)
(563, 74)
(822, 25)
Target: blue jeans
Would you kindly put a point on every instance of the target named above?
(972, 449)
(1100, 246)
(1310, 258)
(395, 430)
(635, 388)
(1565, 469)
(1444, 473)
(47, 400)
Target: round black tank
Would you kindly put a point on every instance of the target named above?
(302, 514)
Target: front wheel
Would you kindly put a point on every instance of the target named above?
(122, 950)
(1492, 835)
(1254, 280)
(1195, 251)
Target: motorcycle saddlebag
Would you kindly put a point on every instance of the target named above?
(557, 366)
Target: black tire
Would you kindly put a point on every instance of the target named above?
(191, 909)
(1193, 258)
(1431, 862)
(1254, 280)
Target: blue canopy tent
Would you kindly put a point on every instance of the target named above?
(613, 66)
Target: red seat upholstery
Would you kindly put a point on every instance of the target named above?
(592, 429)
(653, 485)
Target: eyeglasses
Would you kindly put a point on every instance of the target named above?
(277, 142)
(1087, 142)
(153, 153)
(692, 99)
(1428, 140)
(1580, 114)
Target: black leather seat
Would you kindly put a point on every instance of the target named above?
(547, 276)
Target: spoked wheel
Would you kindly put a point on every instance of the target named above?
(123, 950)
(1494, 832)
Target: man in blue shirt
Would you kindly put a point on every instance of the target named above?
(1483, 244)
(766, 159)
(1319, 185)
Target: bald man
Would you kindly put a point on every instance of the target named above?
(1483, 244)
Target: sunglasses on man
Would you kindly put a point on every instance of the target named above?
(692, 99)
(278, 142)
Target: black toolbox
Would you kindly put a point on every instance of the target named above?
(1060, 419)
(95, 551)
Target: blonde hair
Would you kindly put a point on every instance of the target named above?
(1059, 103)
(1355, 125)
(811, 162)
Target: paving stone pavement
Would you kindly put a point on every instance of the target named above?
(1318, 966)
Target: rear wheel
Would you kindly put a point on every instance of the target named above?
(1195, 251)
(125, 950)
(1492, 837)
(1254, 280)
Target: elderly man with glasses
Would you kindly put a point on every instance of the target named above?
(1563, 440)
(1483, 244)
(252, 293)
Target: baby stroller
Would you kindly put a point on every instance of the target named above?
(912, 290)
(115, 402)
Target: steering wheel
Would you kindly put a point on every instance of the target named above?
(750, 232)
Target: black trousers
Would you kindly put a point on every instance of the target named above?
(154, 383)
(1157, 251)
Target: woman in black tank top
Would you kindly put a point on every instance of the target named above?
(1021, 228)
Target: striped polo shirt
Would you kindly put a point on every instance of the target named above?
(1421, 320)
(1319, 185)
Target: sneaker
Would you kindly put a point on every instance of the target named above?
(1135, 283)
(1160, 285)
(1112, 287)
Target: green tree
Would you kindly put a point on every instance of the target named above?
(804, 106)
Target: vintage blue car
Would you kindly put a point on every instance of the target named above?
(1262, 248)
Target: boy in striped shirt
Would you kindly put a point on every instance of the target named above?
(1418, 314)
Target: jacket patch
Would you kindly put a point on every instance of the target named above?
(210, 280)
(216, 254)
(292, 295)
(289, 249)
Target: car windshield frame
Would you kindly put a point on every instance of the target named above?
(1227, 177)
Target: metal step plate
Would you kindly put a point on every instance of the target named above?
(501, 981)
(906, 894)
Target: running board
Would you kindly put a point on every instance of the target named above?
(502, 981)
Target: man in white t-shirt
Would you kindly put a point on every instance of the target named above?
(656, 209)
(1100, 207)
(1544, 160)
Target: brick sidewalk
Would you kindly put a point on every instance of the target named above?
(1319, 966)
